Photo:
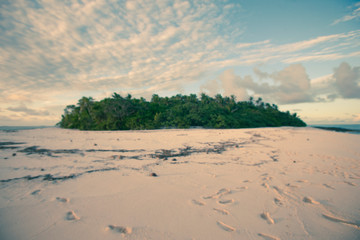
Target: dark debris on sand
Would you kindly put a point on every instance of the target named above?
(51, 152)
(48, 152)
(50, 177)
(183, 152)
(10, 145)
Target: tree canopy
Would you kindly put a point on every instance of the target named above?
(180, 111)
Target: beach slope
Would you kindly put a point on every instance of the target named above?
(264, 183)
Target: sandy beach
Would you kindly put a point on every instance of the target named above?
(265, 183)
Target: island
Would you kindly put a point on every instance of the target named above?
(180, 111)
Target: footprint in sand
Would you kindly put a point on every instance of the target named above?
(71, 216)
(340, 220)
(227, 201)
(292, 185)
(266, 216)
(268, 237)
(36, 192)
(278, 190)
(120, 229)
(329, 186)
(225, 226)
(302, 181)
(200, 203)
(219, 193)
(222, 211)
(278, 201)
(223, 191)
(267, 178)
(310, 200)
(209, 197)
(63, 200)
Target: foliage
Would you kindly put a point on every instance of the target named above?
(180, 111)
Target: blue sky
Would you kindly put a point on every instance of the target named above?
(301, 55)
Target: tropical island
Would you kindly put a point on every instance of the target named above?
(180, 111)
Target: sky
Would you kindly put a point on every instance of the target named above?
(302, 55)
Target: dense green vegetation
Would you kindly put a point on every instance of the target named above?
(124, 113)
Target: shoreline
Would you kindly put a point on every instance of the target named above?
(338, 129)
(335, 128)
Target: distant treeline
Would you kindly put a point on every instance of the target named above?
(180, 111)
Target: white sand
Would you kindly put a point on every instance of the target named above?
(269, 183)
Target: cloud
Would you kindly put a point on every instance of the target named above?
(28, 111)
(294, 85)
(130, 5)
(313, 57)
(297, 46)
(356, 117)
(109, 44)
(347, 80)
(260, 74)
(53, 52)
(102, 45)
(322, 88)
(255, 44)
(353, 15)
(234, 85)
(290, 85)
(212, 87)
(319, 49)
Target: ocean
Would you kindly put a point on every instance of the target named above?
(15, 128)
(354, 128)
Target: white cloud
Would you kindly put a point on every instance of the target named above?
(233, 85)
(290, 85)
(294, 85)
(347, 80)
(322, 48)
(322, 82)
(294, 47)
(260, 74)
(353, 15)
(131, 5)
(247, 45)
(314, 57)
(95, 39)
(85, 44)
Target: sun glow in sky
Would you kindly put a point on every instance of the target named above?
(301, 55)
